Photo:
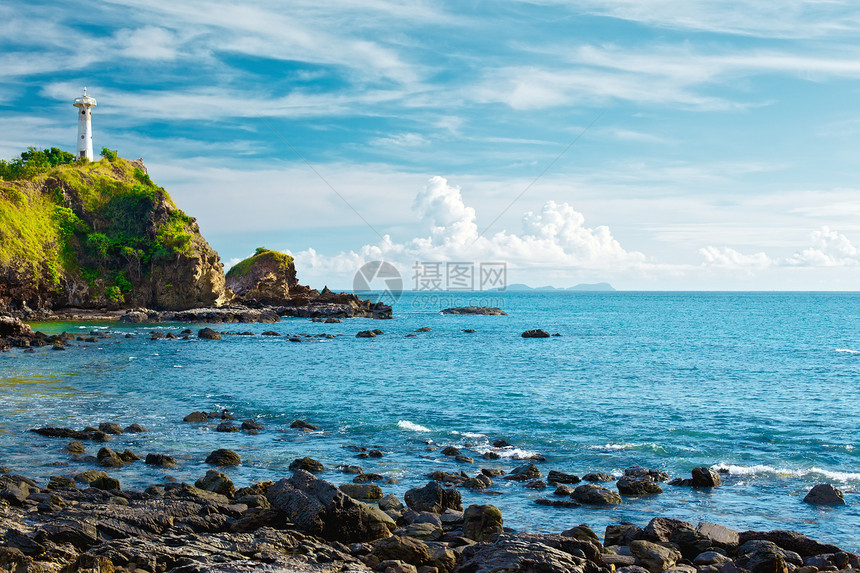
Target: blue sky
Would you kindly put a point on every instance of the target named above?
(663, 144)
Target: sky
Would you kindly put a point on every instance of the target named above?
(652, 144)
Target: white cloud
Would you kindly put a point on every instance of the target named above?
(555, 238)
(730, 258)
(829, 249)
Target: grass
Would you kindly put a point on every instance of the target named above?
(241, 268)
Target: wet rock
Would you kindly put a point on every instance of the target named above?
(501, 444)
(302, 425)
(424, 531)
(110, 428)
(434, 498)
(464, 459)
(491, 456)
(480, 481)
(403, 549)
(536, 484)
(640, 472)
(790, 541)
(363, 478)
(706, 477)
(760, 556)
(595, 495)
(14, 493)
(61, 482)
(135, 429)
(89, 476)
(217, 482)
(374, 454)
(492, 472)
(482, 310)
(319, 508)
(223, 457)
(661, 529)
(390, 503)
(160, 460)
(109, 458)
(106, 483)
(537, 333)
(718, 535)
(250, 424)
(524, 473)
(350, 469)
(598, 477)
(370, 492)
(227, 427)
(620, 534)
(555, 477)
(196, 417)
(128, 456)
(825, 494)
(563, 490)
(557, 502)
(76, 447)
(81, 534)
(482, 522)
(628, 485)
(450, 451)
(654, 557)
(365, 334)
(208, 334)
(307, 464)
(52, 432)
(516, 552)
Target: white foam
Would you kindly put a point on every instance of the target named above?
(610, 447)
(508, 452)
(411, 426)
(847, 351)
(472, 435)
(787, 472)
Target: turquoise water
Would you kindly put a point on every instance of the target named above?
(762, 385)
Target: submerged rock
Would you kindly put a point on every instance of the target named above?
(223, 457)
(484, 310)
(825, 494)
(537, 333)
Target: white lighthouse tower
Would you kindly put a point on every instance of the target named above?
(85, 126)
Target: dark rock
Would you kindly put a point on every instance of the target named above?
(482, 522)
(371, 492)
(501, 444)
(196, 417)
(227, 427)
(89, 476)
(208, 334)
(555, 477)
(135, 429)
(423, 329)
(759, 556)
(598, 477)
(365, 334)
(639, 472)
(718, 536)
(524, 473)
(319, 508)
(825, 494)
(223, 457)
(217, 482)
(363, 478)
(557, 502)
(518, 552)
(595, 495)
(706, 477)
(656, 558)
(14, 327)
(302, 425)
(790, 541)
(75, 447)
(307, 464)
(491, 456)
(661, 529)
(252, 425)
(620, 534)
(109, 458)
(450, 451)
(106, 483)
(128, 456)
(537, 333)
(160, 460)
(390, 503)
(402, 549)
(82, 535)
(374, 454)
(270, 333)
(110, 428)
(51, 432)
(61, 482)
(628, 485)
(434, 498)
(493, 472)
(464, 459)
(563, 490)
(536, 484)
(483, 310)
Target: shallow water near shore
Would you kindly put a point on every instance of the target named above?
(763, 385)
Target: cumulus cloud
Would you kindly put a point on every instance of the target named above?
(829, 249)
(556, 237)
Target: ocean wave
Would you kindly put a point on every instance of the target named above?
(412, 427)
(786, 472)
(473, 435)
(847, 351)
(642, 446)
(509, 452)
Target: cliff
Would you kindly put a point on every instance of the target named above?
(98, 235)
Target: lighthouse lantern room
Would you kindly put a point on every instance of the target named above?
(85, 126)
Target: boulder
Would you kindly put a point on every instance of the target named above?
(718, 535)
(61, 482)
(598, 477)
(109, 458)
(304, 426)
(160, 460)
(226, 427)
(14, 327)
(482, 522)
(307, 464)
(644, 485)
(661, 529)
(208, 334)
(110, 428)
(252, 425)
(524, 473)
(517, 552)
(76, 447)
(825, 494)
(223, 457)
(791, 541)
(595, 495)
(106, 483)
(390, 503)
(400, 548)
(654, 557)
(217, 482)
(135, 429)
(365, 334)
(318, 507)
(196, 417)
(639, 471)
(89, 476)
(363, 491)
(555, 477)
(537, 333)
(450, 451)
(706, 477)
(364, 478)
(434, 498)
(620, 534)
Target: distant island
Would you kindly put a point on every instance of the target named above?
(592, 287)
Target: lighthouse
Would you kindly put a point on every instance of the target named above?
(85, 126)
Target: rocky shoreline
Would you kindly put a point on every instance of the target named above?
(86, 522)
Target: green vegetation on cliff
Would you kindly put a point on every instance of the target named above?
(241, 268)
(96, 232)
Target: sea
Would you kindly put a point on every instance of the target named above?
(760, 386)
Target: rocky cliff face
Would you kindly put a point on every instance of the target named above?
(101, 234)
